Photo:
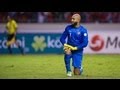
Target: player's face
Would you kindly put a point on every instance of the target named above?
(8, 18)
(75, 19)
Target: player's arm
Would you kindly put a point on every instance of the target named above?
(85, 40)
(64, 36)
(15, 26)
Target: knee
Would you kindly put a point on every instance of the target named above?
(76, 71)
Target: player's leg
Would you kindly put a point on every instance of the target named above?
(77, 64)
(9, 42)
(20, 47)
(9, 49)
(67, 59)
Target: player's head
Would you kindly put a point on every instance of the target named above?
(75, 19)
(9, 18)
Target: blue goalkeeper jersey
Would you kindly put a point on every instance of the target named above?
(75, 36)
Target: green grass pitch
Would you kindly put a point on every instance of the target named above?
(44, 66)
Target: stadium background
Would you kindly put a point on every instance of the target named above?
(39, 32)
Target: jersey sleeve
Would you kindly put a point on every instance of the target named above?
(64, 36)
(15, 24)
(85, 39)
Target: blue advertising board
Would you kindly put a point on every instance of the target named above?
(34, 43)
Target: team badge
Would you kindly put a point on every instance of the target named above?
(85, 34)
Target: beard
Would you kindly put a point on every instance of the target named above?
(74, 24)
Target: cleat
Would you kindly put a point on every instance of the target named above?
(69, 74)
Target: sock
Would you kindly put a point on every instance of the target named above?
(10, 50)
(21, 49)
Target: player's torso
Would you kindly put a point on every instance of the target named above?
(75, 35)
(11, 27)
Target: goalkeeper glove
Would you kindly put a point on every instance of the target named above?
(71, 47)
(67, 50)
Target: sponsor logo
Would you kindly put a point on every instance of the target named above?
(42, 42)
(20, 41)
(96, 43)
(39, 43)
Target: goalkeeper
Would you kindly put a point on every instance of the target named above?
(74, 40)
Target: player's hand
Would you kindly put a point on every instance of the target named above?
(71, 47)
(67, 50)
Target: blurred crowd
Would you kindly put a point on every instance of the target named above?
(58, 17)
